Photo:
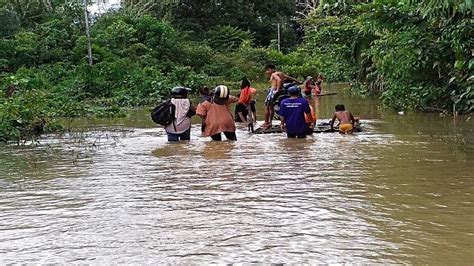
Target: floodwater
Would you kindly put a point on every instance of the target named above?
(115, 191)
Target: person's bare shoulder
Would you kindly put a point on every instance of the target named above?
(277, 75)
(281, 75)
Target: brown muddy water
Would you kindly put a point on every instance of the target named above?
(114, 191)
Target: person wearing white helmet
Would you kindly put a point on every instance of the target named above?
(216, 115)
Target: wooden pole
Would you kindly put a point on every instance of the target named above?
(89, 48)
(279, 40)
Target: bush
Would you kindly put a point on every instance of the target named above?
(24, 115)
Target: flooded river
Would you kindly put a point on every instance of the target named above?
(402, 191)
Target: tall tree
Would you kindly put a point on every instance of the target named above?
(197, 17)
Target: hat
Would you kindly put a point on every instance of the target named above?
(180, 92)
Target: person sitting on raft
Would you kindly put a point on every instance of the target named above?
(180, 128)
(277, 80)
(346, 120)
(292, 114)
(216, 115)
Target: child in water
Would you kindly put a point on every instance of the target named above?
(346, 120)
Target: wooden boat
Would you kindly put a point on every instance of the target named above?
(323, 127)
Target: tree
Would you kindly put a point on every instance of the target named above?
(197, 17)
(10, 22)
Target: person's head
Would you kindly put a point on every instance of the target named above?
(340, 107)
(221, 94)
(244, 83)
(294, 91)
(270, 69)
(180, 92)
(205, 91)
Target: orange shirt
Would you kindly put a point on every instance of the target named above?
(246, 95)
(311, 119)
(218, 117)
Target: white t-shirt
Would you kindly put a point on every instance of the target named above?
(181, 122)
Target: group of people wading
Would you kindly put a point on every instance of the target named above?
(296, 113)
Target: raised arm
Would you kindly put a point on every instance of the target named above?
(232, 99)
(291, 78)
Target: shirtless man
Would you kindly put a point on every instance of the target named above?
(346, 120)
(277, 80)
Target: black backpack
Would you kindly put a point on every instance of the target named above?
(163, 114)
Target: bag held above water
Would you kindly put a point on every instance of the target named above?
(164, 113)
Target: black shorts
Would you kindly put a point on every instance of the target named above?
(228, 135)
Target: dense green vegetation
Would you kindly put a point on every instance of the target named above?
(413, 55)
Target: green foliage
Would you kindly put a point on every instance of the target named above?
(24, 116)
(197, 17)
(228, 38)
(412, 54)
(10, 22)
(415, 55)
(137, 59)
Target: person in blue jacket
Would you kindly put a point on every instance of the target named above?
(292, 114)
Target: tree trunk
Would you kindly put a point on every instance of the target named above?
(86, 17)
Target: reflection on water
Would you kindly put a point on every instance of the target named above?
(400, 192)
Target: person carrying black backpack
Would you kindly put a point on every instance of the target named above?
(182, 110)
